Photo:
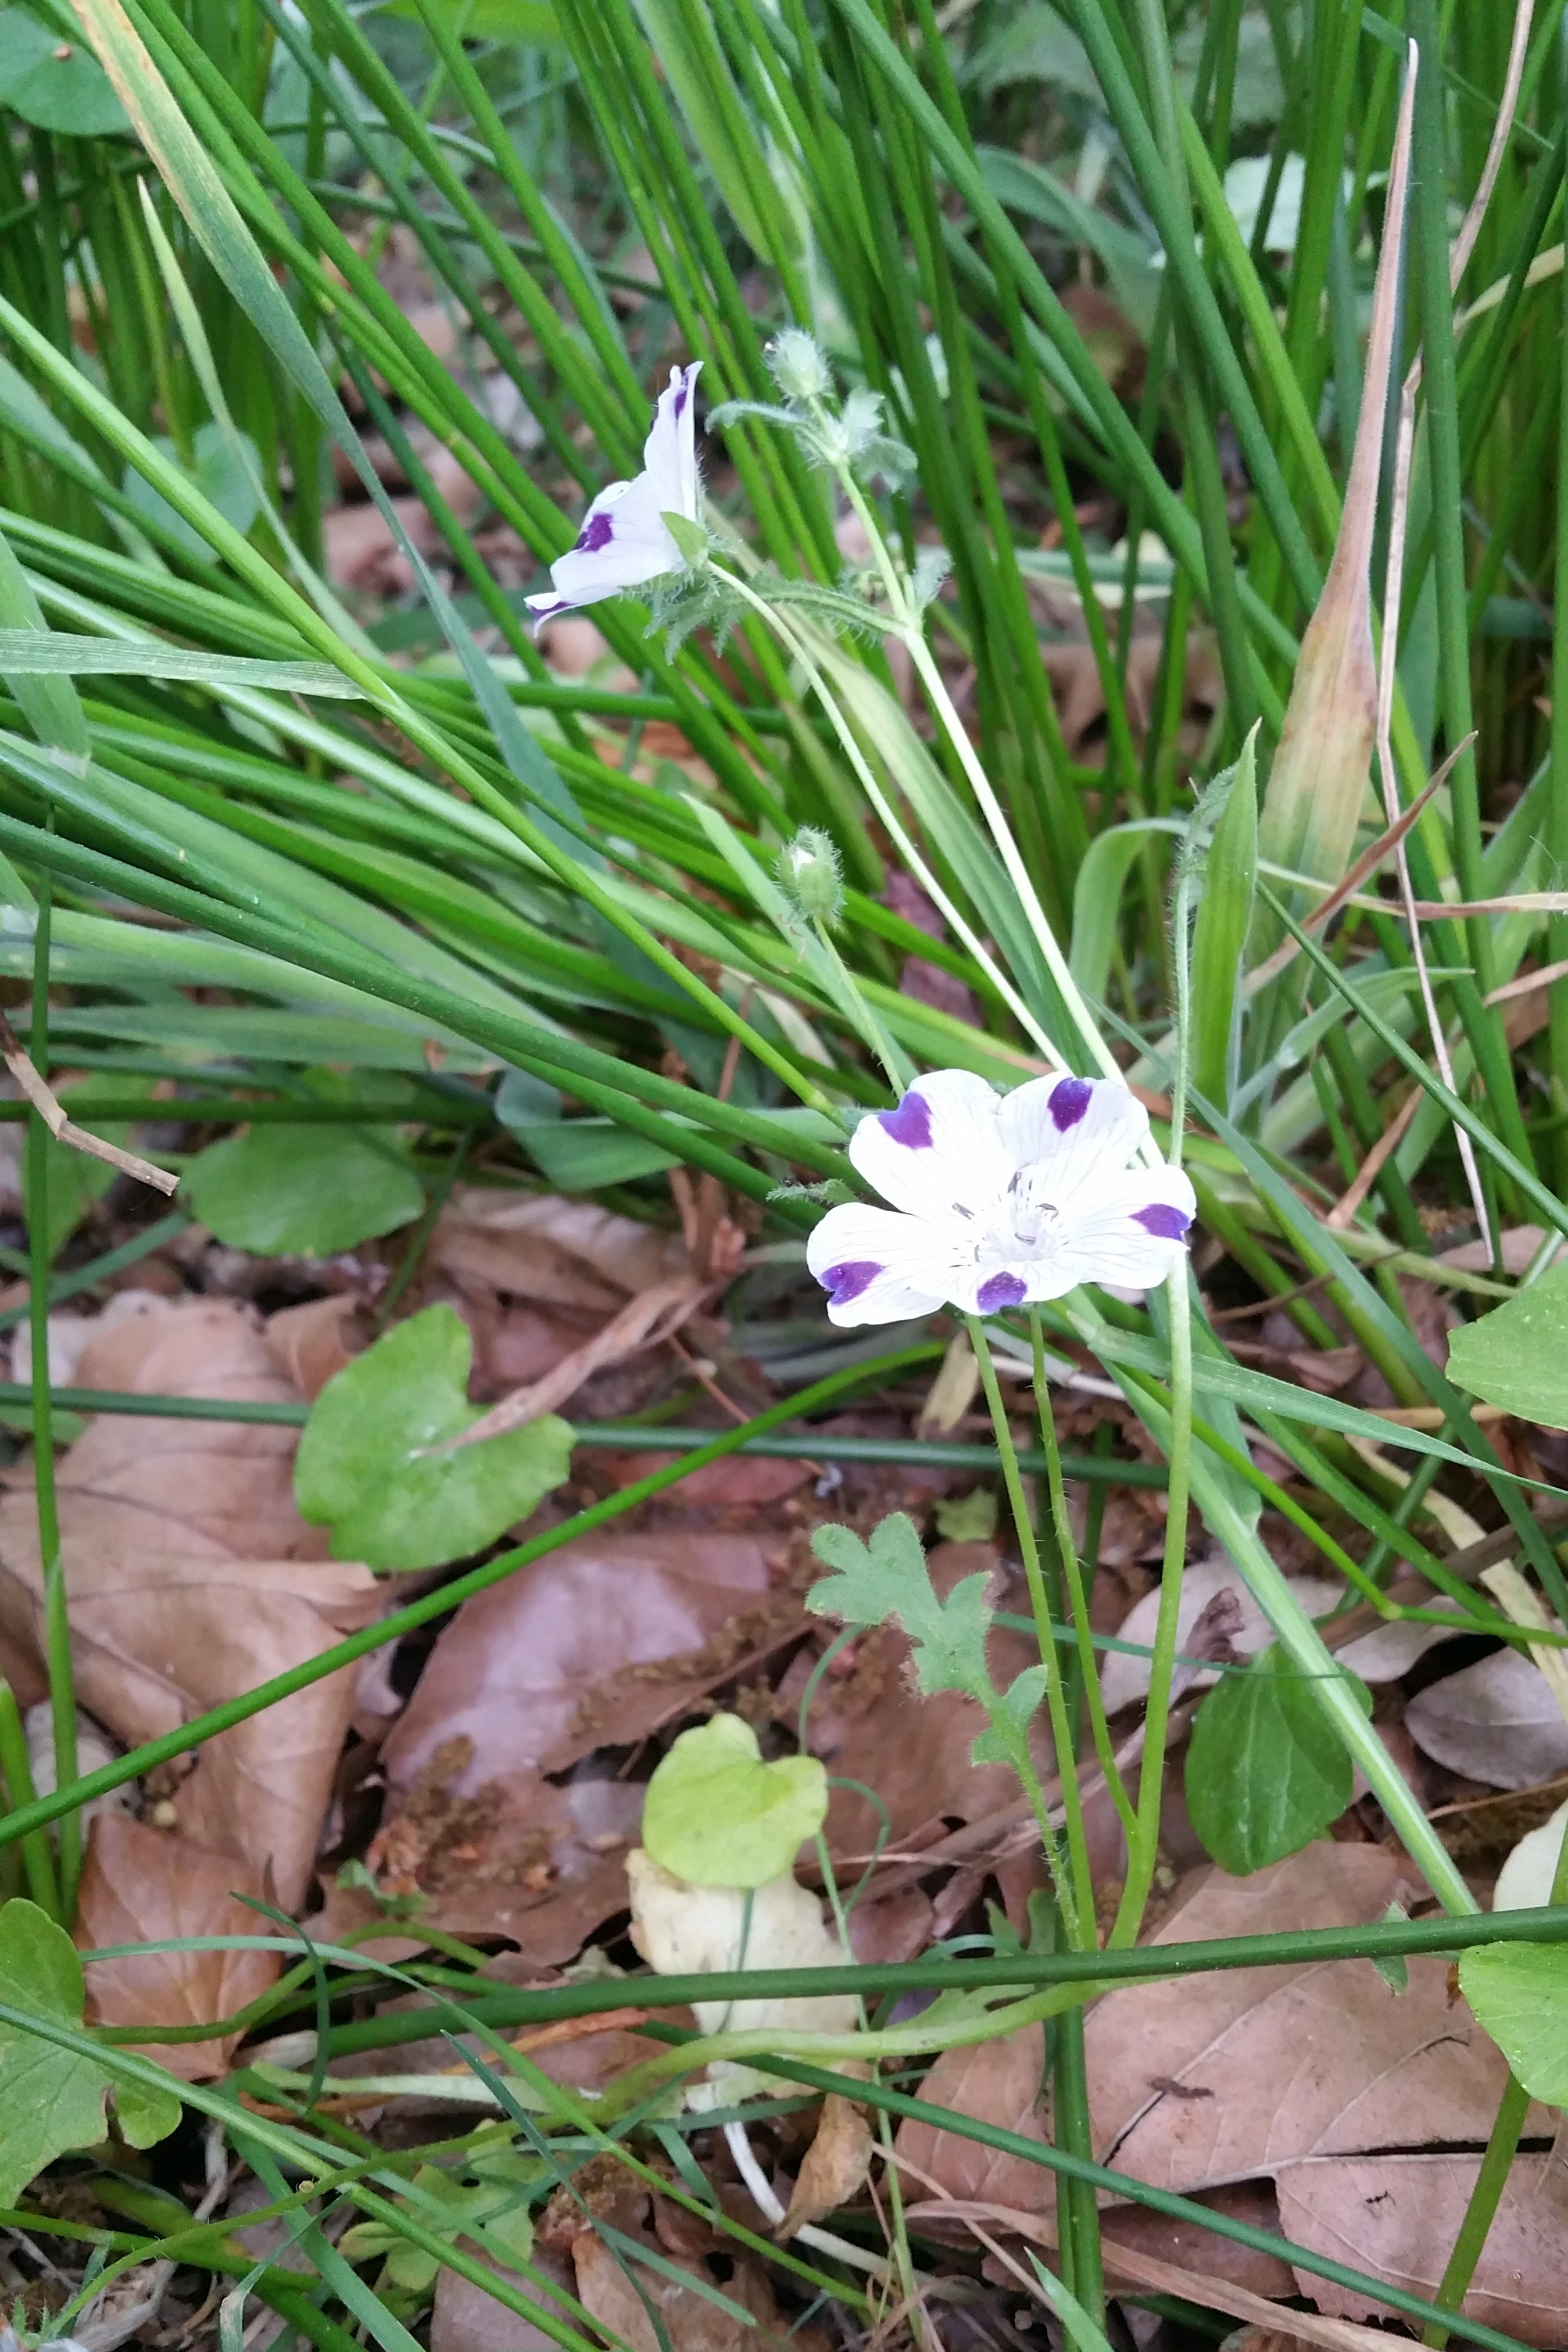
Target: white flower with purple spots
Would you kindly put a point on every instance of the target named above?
(998, 1200)
(624, 541)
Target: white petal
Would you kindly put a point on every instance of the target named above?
(1131, 1233)
(878, 1266)
(1075, 1130)
(940, 1152)
(669, 453)
(622, 542)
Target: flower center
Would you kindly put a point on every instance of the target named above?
(1019, 1226)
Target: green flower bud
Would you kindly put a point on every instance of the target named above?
(798, 367)
(808, 869)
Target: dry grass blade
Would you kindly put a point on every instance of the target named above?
(1394, 576)
(644, 1322)
(1130, 2263)
(64, 1131)
(1367, 862)
(1346, 1209)
(1502, 130)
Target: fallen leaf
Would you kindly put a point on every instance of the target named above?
(1213, 2078)
(1526, 1878)
(996, 2083)
(892, 1926)
(519, 1857)
(466, 2319)
(694, 2321)
(311, 1342)
(191, 1579)
(552, 1252)
(835, 2167)
(1496, 1721)
(1158, 2235)
(1124, 1678)
(582, 1648)
(1398, 2216)
(141, 1885)
(70, 1336)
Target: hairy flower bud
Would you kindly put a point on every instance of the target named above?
(808, 869)
(798, 367)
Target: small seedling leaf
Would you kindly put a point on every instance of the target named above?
(1517, 1357)
(887, 1578)
(51, 2099)
(370, 1464)
(1265, 1771)
(306, 1190)
(1520, 1992)
(716, 1815)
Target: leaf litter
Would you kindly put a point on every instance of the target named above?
(504, 1800)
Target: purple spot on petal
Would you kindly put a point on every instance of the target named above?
(1000, 1290)
(844, 1283)
(1166, 1223)
(909, 1124)
(683, 396)
(596, 533)
(1069, 1101)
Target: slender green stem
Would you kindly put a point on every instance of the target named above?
(797, 641)
(1072, 1570)
(1077, 2212)
(1075, 1885)
(40, 1252)
(37, 1856)
(1492, 2179)
(1480, 2213)
(1143, 1845)
(895, 1062)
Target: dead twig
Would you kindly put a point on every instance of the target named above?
(646, 1321)
(48, 1106)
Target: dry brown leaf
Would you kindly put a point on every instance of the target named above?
(996, 2083)
(691, 2321)
(1138, 2269)
(594, 1644)
(1160, 2238)
(517, 1857)
(191, 1580)
(552, 1252)
(1495, 1721)
(309, 1344)
(141, 1884)
(835, 2166)
(1124, 1679)
(466, 2319)
(1197, 2081)
(1398, 2216)
(537, 1278)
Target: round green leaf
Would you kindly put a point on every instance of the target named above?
(1520, 1992)
(716, 1815)
(1517, 1356)
(308, 1190)
(69, 93)
(1265, 1771)
(368, 1467)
